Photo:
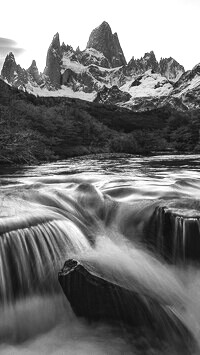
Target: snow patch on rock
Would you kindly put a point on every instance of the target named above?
(147, 85)
(63, 91)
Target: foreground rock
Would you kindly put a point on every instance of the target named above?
(96, 299)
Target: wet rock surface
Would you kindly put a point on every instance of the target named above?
(97, 299)
(174, 231)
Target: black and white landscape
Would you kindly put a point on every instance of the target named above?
(99, 186)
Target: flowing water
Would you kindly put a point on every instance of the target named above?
(134, 220)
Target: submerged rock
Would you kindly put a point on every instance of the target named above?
(97, 299)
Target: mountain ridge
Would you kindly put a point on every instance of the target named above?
(85, 74)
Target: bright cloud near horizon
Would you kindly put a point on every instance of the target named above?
(168, 27)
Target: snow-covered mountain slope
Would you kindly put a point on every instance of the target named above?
(147, 87)
(152, 90)
(148, 84)
(63, 91)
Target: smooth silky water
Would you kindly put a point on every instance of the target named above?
(104, 211)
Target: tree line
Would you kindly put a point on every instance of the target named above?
(45, 129)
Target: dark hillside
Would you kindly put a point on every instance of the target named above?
(36, 129)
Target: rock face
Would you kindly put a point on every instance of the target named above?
(91, 56)
(187, 88)
(34, 73)
(96, 299)
(9, 68)
(167, 67)
(19, 77)
(112, 95)
(140, 66)
(174, 231)
(170, 68)
(107, 43)
(188, 78)
(53, 62)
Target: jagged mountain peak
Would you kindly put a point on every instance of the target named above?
(196, 69)
(33, 72)
(33, 64)
(151, 61)
(167, 67)
(8, 71)
(150, 54)
(53, 61)
(170, 68)
(56, 41)
(189, 77)
(166, 58)
(66, 48)
(10, 56)
(102, 39)
(13, 73)
(83, 73)
(105, 24)
(140, 66)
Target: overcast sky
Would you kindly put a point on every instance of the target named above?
(168, 27)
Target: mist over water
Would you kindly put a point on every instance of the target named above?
(97, 210)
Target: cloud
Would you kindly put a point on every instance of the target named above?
(7, 42)
(9, 45)
(16, 50)
(1, 62)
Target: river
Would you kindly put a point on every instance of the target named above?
(134, 218)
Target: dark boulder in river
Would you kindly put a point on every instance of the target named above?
(97, 299)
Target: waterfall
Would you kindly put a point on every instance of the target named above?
(175, 235)
(35, 243)
(41, 226)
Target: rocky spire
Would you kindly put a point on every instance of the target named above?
(107, 43)
(53, 61)
(140, 66)
(9, 68)
(149, 60)
(33, 71)
(13, 73)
